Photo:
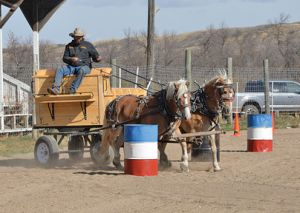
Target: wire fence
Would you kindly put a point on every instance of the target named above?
(241, 75)
(163, 74)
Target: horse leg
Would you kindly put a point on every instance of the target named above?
(184, 165)
(163, 158)
(116, 147)
(212, 141)
(103, 150)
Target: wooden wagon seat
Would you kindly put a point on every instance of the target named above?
(83, 98)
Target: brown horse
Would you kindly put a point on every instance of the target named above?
(207, 103)
(165, 108)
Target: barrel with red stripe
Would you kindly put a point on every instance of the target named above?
(140, 149)
(260, 134)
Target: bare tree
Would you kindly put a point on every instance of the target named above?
(167, 51)
(223, 34)
(132, 49)
(283, 39)
(18, 51)
(49, 54)
(108, 49)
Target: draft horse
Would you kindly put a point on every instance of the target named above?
(207, 103)
(165, 108)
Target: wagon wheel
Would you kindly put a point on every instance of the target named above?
(46, 151)
(76, 148)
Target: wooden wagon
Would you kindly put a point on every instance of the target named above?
(76, 116)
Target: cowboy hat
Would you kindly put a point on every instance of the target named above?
(77, 32)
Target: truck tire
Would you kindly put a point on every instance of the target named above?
(250, 109)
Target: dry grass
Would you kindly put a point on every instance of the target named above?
(16, 144)
(281, 122)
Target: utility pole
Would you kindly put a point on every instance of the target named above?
(150, 40)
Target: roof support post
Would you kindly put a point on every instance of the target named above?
(13, 8)
(1, 79)
(36, 67)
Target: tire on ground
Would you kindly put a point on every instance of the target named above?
(46, 151)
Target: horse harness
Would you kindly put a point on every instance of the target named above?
(199, 103)
(162, 108)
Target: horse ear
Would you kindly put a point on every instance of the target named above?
(176, 85)
(170, 89)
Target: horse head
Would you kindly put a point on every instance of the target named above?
(218, 92)
(178, 98)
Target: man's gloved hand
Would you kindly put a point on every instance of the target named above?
(98, 59)
(74, 60)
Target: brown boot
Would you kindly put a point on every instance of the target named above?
(53, 91)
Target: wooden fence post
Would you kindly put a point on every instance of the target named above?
(229, 81)
(114, 79)
(267, 89)
(188, 66)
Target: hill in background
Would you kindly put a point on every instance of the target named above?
(280, 43)
(248, 47)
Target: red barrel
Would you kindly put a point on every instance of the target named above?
(260, 133)
(140, 149)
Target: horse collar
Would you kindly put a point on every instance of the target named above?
(199, 103)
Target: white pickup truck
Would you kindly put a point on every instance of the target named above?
(284, 96)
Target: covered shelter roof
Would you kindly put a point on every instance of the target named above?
(36, 12)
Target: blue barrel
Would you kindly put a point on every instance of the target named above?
(259, 133)
(140, 149)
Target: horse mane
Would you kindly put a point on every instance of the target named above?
(221, 75)
(171, 88)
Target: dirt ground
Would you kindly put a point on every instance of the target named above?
(248, 182)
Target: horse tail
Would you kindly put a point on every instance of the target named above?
(104, 155)
(111, 112)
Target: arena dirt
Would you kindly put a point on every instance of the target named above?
(248, 182)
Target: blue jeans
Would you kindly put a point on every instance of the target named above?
(67, 70)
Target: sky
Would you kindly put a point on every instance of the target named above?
(109, 19)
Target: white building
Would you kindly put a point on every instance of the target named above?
(16, 106)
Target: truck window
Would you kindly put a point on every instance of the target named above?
(280, 87)
(254, 86)
(293, 87)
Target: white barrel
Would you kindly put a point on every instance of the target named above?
(260, 133)
(140, 149)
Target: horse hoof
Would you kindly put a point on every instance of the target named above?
(118, 166)
(165, 164)
(217, 169)
(184, 168)
(101, 160)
